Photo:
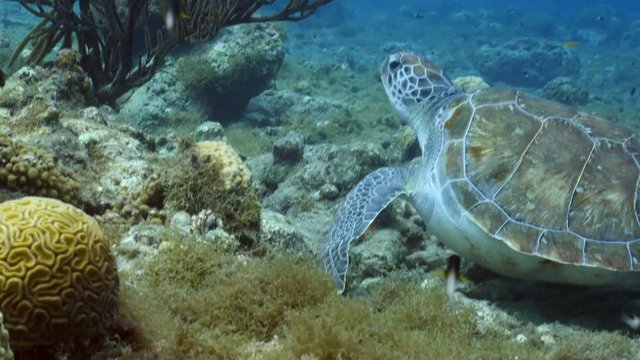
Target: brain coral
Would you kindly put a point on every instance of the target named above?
(58, 280)
(5, 349)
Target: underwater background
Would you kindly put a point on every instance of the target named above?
(206, 191)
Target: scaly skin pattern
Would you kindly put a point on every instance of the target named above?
(527, 187)
(360, 208)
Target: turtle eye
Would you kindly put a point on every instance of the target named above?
(393, 65)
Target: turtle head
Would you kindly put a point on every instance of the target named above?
(414, 83)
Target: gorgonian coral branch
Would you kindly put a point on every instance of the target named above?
(103, 33)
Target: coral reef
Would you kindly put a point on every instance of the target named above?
(59, 281)
(289, 149)
(61, 84)
(566, 90)
(210, 130)
(118, 155)
(526, 62)
(224, 75)
(138, 246)
(26, 169)
(232, 171)
(52, 146)
(199, 228)
(239, 65)
(109, 29)
(350, 163)
(212, 176)
(281, 236)
(150, 105)
(5, 349)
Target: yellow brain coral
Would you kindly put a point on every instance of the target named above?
(5, 349)
(58, 280)
(233, 171)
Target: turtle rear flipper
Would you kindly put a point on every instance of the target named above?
(362, 205)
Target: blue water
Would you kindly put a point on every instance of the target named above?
(603, 35)
(358, 34)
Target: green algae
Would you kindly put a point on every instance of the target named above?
(199, 302)
(400, 320)
(193, 184)
(591, 345)
(211, 303)
(182, 123)
(247, 140)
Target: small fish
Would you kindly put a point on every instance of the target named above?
(600, 18)
(525, 74)
(1, 78)
(418, 16)
(632, 321)
(453, 270)
(570, 44)
(633, 91)
(173, 13)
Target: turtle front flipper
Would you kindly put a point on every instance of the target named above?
(362, 205)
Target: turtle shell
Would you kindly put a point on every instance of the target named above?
(546, 179)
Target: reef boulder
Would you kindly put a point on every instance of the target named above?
(239, 65)
(526, 62)
(567, 91)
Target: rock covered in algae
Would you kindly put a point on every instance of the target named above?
(210, 175)
(240, 64)
(567, 91)
(526, 62)
(233, 172)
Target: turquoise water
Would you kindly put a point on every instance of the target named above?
(603, 36)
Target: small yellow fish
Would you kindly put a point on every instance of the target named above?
(570, 44)
(452, 277)
(173, 11)
(443, 272)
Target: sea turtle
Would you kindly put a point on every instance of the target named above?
(524, 186)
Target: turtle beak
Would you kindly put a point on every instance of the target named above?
(388, 69)
(390, 64)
